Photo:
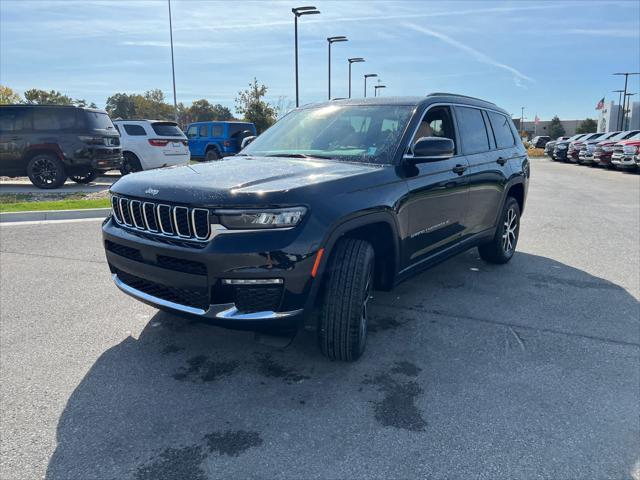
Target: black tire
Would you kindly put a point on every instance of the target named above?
(503, 245)
(212, 155)
(46, 171)
(130, 163)
(85, 178)
(342, 329)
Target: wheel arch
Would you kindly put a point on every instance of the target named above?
(212, 146)
(51, 149)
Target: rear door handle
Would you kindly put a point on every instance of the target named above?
(501, 160)
(459, 169)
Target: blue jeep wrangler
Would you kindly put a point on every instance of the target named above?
(214, 140)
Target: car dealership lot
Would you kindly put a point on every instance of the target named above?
(472, 370)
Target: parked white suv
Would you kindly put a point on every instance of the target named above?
(148, 144)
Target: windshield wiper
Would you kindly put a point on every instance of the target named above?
(298, 155)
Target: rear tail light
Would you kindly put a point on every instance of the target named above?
(158, 143)
(92, 140)
(185, 143)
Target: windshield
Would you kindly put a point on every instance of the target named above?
(99, 121)
(361, 133)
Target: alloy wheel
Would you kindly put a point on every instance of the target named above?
(510, 233)
(45, 171)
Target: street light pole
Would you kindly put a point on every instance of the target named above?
(330, 41)
(173, 68)
(625, 121)
(368, 75)
(375, 89)
(353, 60)
(619, 92)
(521, 120)
(298, 12)
(624, 98)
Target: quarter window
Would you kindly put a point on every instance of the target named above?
(134, 130)
(502, 130)
(54, 119)
(217, 131)
(473, 131)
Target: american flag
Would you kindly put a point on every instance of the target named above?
(537, 120)
(600, 104)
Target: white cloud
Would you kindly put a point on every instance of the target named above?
(632, 32)
(479, 56)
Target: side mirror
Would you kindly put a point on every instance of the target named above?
(432, 149)
(246, 141)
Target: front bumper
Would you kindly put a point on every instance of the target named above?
(188, 279)
(560, 154)
(623, 161)
(586, 157)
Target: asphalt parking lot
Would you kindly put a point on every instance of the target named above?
(529, 370)
(22, 185)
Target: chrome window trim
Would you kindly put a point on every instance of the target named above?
(164, 232)
(175, 222)
(146, 220)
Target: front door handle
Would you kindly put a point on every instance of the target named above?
(459, 169)
(501, 160)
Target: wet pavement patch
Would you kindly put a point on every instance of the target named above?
(232, 443)
(200, 369)
(406, 368)
(380, 324)
(269, 368)
(175, 464)
(398, 408)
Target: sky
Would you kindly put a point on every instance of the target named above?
(551, 57)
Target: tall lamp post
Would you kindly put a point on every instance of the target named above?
(330, 41)
(368, 75)
(353, 60)
(173, 68)
(618, 127)
(298, 12)
(625, 122)
(624, 97)
(375, 89)
(521, 121)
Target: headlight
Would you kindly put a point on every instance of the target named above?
(607, 149)
(261, 219)
(561, 147)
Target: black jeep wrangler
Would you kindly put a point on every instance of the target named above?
(49, 143)
(333, 201)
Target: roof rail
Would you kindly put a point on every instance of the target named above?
(438, 94)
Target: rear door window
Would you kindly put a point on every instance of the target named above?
(134, 130)
(204, 131)
(168, 129)
(473, 132)
(14, 120)
(45, 119)
(217, 130)
(502, 130)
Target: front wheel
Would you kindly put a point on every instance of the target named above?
(84, 178)
(503, 245)
(342, 331)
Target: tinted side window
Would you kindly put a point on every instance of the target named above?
(54, 119)
(192, 131)
(134, 130)
(14, 120)
(436, 123)
(217, 131)
(204, 131)
(166, 129)
(235, 128)
(502, 130)
(473, 132)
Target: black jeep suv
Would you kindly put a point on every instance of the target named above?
(332, 201)
(50, 143)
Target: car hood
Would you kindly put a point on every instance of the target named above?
(629, 142)
(214, 182)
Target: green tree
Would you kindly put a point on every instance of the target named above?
(81, 102)
(555, 128)
(8, 96)
(250, 105)
(588, 125)
(151, 105)
(121, 105)
(42, 97)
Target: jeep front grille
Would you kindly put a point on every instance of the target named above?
(162, 219)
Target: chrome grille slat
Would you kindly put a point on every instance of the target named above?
(176, 221)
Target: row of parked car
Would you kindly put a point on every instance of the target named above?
(608, 149)
(51, 143)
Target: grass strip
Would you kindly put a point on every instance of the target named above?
(70, 204)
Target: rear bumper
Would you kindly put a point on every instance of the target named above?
(159, 159)
(192, 280)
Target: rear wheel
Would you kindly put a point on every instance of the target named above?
(130, 164)
(503, 245)
(84, 178)
(212, 155)
(46, 171)
(342, 331)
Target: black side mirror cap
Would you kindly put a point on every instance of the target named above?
(432, 149)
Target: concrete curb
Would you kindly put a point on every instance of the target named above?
(54, 215)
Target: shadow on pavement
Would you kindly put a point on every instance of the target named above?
(530, 366)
